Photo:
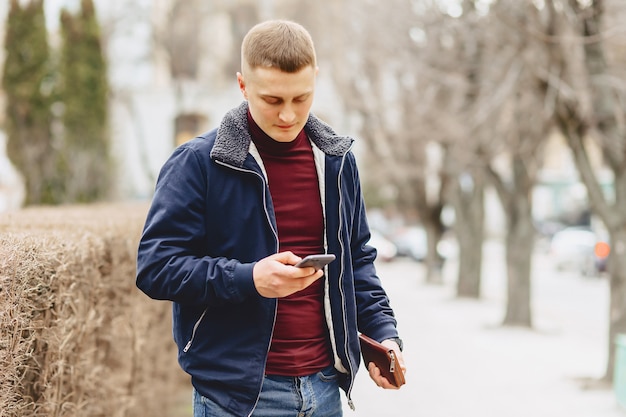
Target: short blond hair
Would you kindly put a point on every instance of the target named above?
(280, 44)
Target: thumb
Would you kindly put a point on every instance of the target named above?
(287, 258)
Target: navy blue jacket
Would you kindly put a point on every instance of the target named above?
(211, 219)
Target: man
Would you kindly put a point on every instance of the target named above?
(234, 210)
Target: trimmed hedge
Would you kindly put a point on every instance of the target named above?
(77, 338)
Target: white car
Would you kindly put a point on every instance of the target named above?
(412, 242)
(579, 249)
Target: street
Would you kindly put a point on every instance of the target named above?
(462, 362)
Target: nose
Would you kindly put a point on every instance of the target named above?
(286, 114)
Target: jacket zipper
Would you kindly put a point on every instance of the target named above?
(193, 332)
(343, 315)
(267, 216)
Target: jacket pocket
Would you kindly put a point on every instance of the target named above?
(193, 332)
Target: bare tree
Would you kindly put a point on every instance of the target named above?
(494, 126)
(587, 81)
(467, 193)
(463, 43)
(520, 124)
(377, 75)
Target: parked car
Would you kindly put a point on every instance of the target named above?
(580, 249)
(412, 242)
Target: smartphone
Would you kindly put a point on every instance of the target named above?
(316, 261)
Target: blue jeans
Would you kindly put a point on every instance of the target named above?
(314, 395)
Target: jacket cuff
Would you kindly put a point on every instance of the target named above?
(243, 280)
(385, 332)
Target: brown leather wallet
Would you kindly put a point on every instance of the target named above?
(384, 358)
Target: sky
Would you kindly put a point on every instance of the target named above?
(53, 9)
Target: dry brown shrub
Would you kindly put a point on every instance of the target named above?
(77, 337)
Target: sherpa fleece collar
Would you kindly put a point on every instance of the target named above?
(233, 138)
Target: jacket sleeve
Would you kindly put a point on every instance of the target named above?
(171, 261)
(375, 318)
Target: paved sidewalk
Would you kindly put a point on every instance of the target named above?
(463, 363)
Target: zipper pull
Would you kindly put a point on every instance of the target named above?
(392, 365)
(351, 405)
(187, 346)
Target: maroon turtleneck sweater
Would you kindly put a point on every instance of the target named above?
(300, 344)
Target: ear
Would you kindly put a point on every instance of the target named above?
(242, 85)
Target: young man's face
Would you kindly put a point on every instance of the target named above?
(279, 101)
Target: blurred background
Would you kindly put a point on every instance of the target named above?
(477, 121)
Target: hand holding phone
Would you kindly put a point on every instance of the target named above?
(316, 261)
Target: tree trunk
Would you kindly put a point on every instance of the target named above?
(519, 242)
(469, 205)
(519, 247)
(434, 231)
(617, 310)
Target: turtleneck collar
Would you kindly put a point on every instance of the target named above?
(266, 144)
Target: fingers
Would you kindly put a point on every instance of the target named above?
(391, 344)
(275, 276)
(378, 379)
(289, 258)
